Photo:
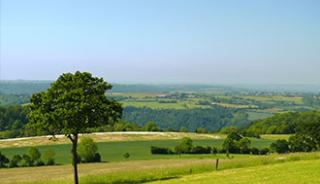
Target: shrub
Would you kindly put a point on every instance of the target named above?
(300, 143)
(201, 150)
(14, 162)
(49, 157)
(159, 150)
(230, 146)
(234, 136)
(254, 151)
(214, 150)
(264, 151)
(201, 131)
(184, 146)
(26, 160)
(280, 146)
(3, 160)
(87, 150)
(34, 155)
(126, 155)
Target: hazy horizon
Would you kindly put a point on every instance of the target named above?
(154, 42)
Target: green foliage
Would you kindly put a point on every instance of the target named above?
(229, 129)
(309, 125)
(72, 104)
(210, 119)
(15, 161)
(126, 155)
(184, 146)
(234, 136)
(151, 126)
(160, 150)
(3, 160)
(12, 121)
(280, 146)
(201, 130)
(183, 129)
(288, 123)
(300, 143)
(87, 150)
(48, 157)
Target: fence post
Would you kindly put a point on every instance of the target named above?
(217, 163)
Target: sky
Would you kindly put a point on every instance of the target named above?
(162, 41)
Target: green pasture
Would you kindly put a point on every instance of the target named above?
(138, 150)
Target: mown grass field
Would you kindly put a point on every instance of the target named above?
(138, 150)
(288, 168)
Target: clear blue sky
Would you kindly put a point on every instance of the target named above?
(154, 41)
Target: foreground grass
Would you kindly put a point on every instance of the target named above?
(145, 171)
(298, 172)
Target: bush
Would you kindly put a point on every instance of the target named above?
(230, 146)
(184, 146)
(234, 136)
(214, 150)
(280, 146)
(49, 157)
(3, 160)
(14, 162)
(159, 150)
(126, 155)
(264, 151)
(34, 155)
(201, 150)
(300, 143)
(254, 151)
(87, 150)
(201, 131)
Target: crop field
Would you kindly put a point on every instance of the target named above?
(274, 168)
(138, 150)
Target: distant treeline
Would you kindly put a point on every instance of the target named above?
(282, 123)
(210, 119)
(14, 118)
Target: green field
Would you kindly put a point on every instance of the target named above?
(138, 150)
(274, 168)
(298, 172)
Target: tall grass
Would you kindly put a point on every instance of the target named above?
(146, 174)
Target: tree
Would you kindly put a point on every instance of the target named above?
(244, 145)
(309, 125)
(71, 105)
(300, 143)
(14, 162)
(34, 155)
(234, 136)
(151, 126)
(280, 146)
(87, 150)
(3, 160)
(184, 146)
(49, 157)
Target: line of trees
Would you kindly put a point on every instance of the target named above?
(32, 157)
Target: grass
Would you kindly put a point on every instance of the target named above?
(138, 150)
(177, 170)
(288, 173)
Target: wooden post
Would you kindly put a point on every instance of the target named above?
(217, 163)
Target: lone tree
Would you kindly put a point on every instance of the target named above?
(71, 105)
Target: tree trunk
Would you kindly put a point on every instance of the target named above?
(74, 141)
